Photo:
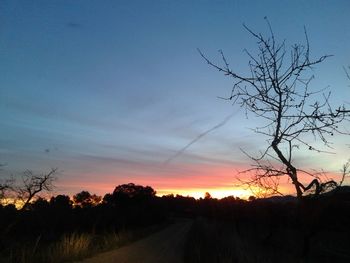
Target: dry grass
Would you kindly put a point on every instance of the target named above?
(73, 246)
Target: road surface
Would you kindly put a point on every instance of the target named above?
(164, 246)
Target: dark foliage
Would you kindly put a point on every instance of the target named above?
(272, 230)
(129, 207)
(85, 199)
(225, 229)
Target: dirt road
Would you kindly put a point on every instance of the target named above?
(165, 246)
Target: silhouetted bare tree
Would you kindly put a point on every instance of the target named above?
(27, 189)
(6, 186)
(276, 90)
(34, 184)
(345, 171)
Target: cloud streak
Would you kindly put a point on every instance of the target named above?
(182, 150)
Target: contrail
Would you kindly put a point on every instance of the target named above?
(182, 150)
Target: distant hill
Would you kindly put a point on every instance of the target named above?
(278, 199)
(342, 192)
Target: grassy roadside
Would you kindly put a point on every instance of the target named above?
(74, 246)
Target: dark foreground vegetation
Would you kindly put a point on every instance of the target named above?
(272, 230)
(61, 229)
(227, 230)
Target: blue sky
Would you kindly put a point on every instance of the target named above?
(108, 90)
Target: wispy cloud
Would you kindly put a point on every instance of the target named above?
(182, 150)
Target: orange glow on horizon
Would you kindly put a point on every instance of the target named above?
(188, 180)
(12, 201)
(214, 192)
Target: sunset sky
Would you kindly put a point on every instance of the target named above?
(108, 91)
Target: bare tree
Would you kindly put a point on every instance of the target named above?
(33, 184)
(5, 188)
(276, 90)
(345, 171)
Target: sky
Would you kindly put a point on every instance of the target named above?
(109, 92)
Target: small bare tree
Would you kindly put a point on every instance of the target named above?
(5, 187)
(345, 171)
(276, 90)
(33, 184)
(25, 191)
